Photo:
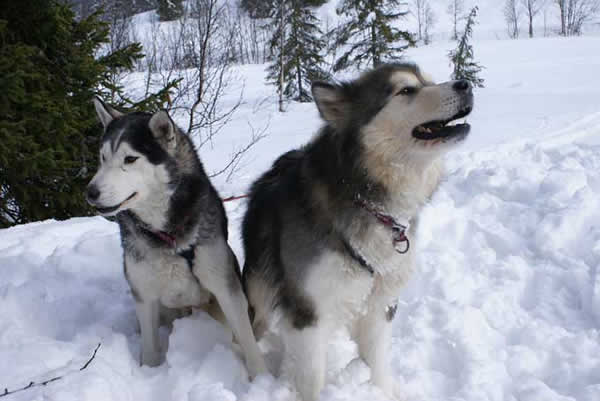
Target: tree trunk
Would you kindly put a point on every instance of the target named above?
(563, 22)
(298, 62)
(281, 42)
(419, 19)
(530, 25)
(455, 16)
(374, 45)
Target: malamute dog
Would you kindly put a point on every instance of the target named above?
(329, 233)
(173, 227)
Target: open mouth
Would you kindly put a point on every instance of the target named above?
(444, 129)
(110, 209)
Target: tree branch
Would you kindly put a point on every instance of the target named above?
(34, 384)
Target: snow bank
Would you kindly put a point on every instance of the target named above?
(505, 306)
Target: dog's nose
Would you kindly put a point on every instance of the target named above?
(462, 85)
(93, 193)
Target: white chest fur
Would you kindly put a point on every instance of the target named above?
(342, 288)
(162, 275)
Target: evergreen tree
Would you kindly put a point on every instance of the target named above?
(462, 57)
(49, 134)
(169, 10)
(297, 45)
(369, 36)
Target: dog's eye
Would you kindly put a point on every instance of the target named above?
(130, 159)
(408, 90)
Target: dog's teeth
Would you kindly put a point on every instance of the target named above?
(457, 122)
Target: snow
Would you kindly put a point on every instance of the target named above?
(505, 305)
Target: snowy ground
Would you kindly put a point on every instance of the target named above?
(505, 306)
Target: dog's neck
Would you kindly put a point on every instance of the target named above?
(400, 185)
(409, 186)
(156, 220)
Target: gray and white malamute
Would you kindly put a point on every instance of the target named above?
(329, 233)
(173, 228)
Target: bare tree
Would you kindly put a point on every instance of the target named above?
(251, 36)
(117, 14)
(429, 20)
(425, 19)
(199, 51)
(456, 9)
(418, 12)
(532, 8)
(574, 13)
(562, 6)
(511, 16)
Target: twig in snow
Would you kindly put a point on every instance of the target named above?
(34, 384)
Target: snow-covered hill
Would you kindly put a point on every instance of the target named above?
(505, 306)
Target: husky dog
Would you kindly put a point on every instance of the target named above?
(173, 228)
(329, 233)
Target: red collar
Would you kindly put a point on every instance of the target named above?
(170, 239)
(398, 230)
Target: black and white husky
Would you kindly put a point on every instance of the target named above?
(173, 228)
(329, 234)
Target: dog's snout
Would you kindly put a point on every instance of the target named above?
(462, 85)
(93, 193)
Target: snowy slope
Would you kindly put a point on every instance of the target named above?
(505, 306)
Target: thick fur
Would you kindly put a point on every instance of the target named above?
(173, 228)
(304, 232)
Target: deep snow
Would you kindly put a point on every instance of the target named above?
(505, 305)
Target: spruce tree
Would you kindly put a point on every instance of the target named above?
(301, 44)
(369, 36)
(462, 58)
(49, 134)
(169, 10)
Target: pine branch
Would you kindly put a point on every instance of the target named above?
(46, 382)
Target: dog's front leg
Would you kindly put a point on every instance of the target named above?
(215, 268)
(235, 308)
(148, 314)
(373, 336)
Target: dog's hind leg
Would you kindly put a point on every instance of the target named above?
(305, 359)
(215, 268)
(148, 314)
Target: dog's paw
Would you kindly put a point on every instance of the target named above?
(391, 388)
(256, 368)
(151, 359)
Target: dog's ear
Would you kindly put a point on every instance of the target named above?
(163, 129)
(331, 102)
(105, 113)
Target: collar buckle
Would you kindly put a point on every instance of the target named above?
(398, 230)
